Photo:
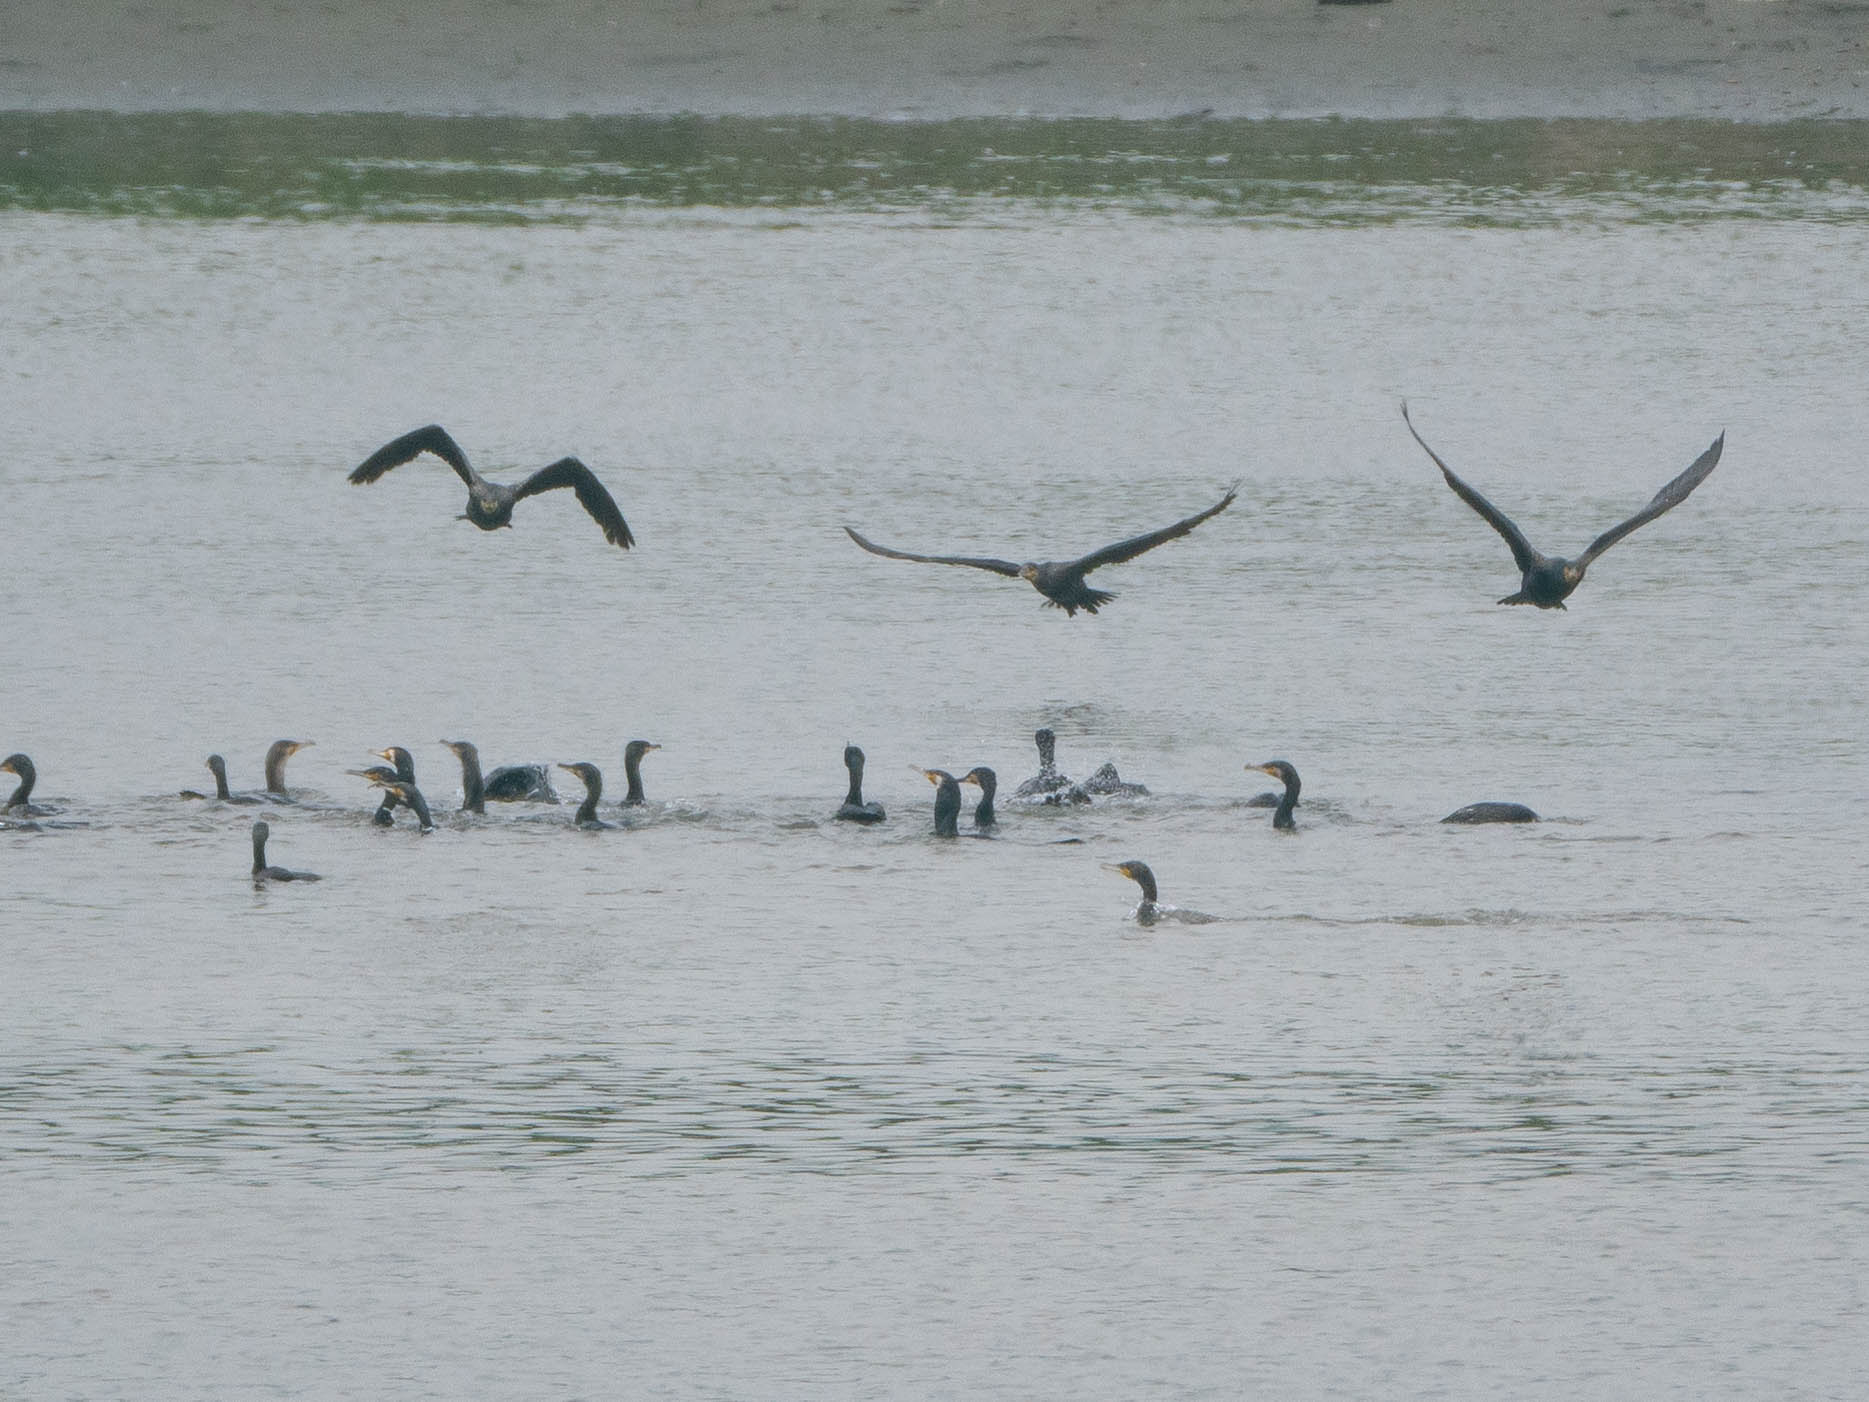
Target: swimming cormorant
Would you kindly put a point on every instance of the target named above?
(397, 790)
(1492, 813)
(490, 504)
(277, 754)
(1062, 581)
(1049, 785)
(586, 816)
(403, 772)
(1106, 782)
(1151, 909)
(262, 872)
(473, 787)
(947, 802)
(20, 805)
(632, 770)
(855, 810)
(1547, 580)
(988, 783)
(1287, 775)
(513, 783)
(218, 768)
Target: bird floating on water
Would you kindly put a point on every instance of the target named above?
(1287, 775)
(218, 768)
(586, 816)
(490, 504)
(277, 754)
(1547, 580)
(263, 872)
(1151, 908)
(1049, 785)
(854, 809)
(1062, 581)
(947, 802)
(632, 771)
(20, 805)
(1492, 813)
(984, 779)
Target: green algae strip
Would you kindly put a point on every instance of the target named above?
(568, 170)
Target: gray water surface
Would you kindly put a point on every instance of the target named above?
(735, 1101)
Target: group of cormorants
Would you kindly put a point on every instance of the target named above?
(1545, 582)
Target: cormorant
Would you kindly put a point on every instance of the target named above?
(1151, 909)
(396, 790)
(947, 802)
(218, 767)
(988, 783)
(632, 770)
(1107, 782)
(855, 810)
(512, 783)
(1547, 580)
(1283, 772)
(1048, 785)
(473, 787)
(277, 754)
(490, 504)
(20, 805)
(586, 816)
(1492, 813)
(1062, 581)
(262, 872)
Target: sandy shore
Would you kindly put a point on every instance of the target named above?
(1751, 60)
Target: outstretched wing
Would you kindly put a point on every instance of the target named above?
(1005, 567)
(432, 439)
(1129, 549)
(1522, 553)
(1666, 499)
(569, 472)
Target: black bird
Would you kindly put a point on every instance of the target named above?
(277, 754)
(490, 504)
(855, 810)
(511, 783)
(1283, 772)
(988, 784)
(20, 805)
(1151, 909)
(1049, 785)
(1107, 782)
(586, 816)
(1062, 581)
(473, 787)
(947, 802)
(1547, 580)
(632, 770)
(1492, 813)
(262, 872)
(397, 791)
(218, 768)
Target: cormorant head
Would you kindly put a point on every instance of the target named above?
(217, 766)
(401, 758)
(1029, 573)
(985, 778)
(1137, 872)
(260, 832)
(1047, 745)
(636, 749)
(937, 777)
(17, 764)
(378, 774)
(1281, 771)
(853, 757)
(593, 777)
(285, 749)
(462, 749)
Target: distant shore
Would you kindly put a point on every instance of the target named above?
(1742, 60)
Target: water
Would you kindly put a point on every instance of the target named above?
(731, 1101)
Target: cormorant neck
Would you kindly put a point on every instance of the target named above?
(1282, 818)
(632, 770)
(855, 796)
(259, 853)
(473, 787)
(220, 783)
(587, 810)
(21, 794)
(276, 773)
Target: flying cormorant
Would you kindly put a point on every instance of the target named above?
(262, 872)
(1062, 581)
(490, 504)
(1547, 580)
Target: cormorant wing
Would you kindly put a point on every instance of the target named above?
(1522, 553)
(1666, 499)
(432, 439)
(1129, 549)
(1005, 567)
(569, 472)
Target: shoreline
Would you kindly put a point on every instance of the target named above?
(930, 60)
